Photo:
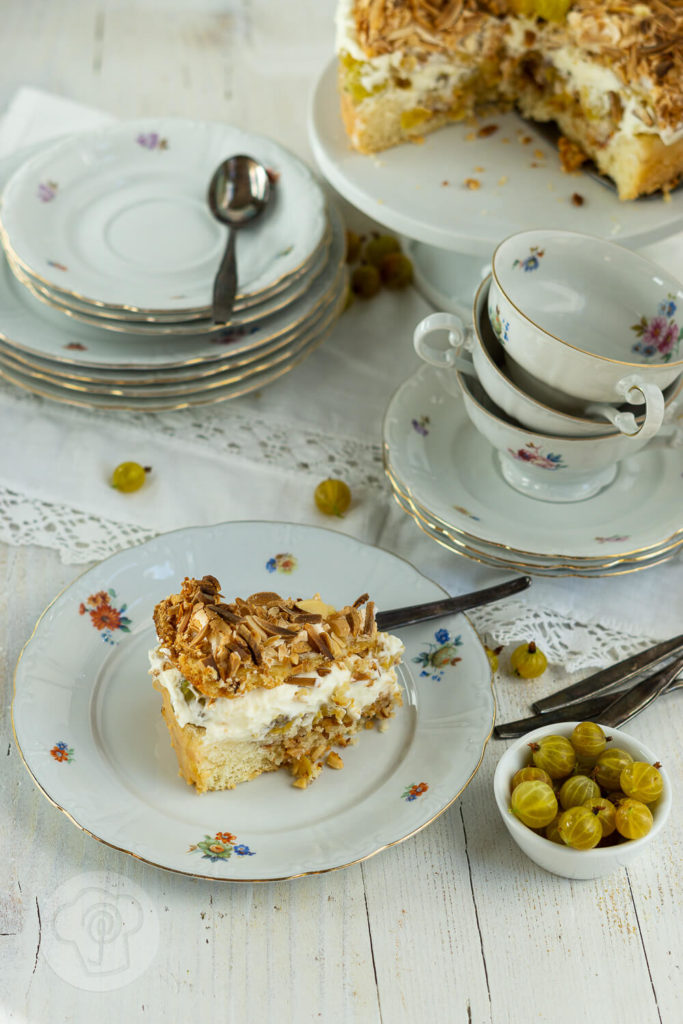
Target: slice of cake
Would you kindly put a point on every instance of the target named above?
(268, 682)
(610, 75)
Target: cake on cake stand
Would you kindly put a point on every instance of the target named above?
(455, 197)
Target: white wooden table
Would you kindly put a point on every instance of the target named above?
(454, 925)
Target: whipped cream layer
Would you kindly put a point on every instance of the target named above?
(252, 715)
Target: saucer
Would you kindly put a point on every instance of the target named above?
(451, 471)
(487, 555)
(119, 217)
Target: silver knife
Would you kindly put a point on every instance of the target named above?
(450, 605)
(606, 677)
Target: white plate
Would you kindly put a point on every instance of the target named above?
(30, 328)
(281, 353)
(119, 216)
(453, 472)
(275, 300)
(232, 382)
(87, 720)
(419, 190)
(479, 552)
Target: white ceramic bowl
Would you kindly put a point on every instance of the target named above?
(546, 466)
(586, 316)
(562, 860)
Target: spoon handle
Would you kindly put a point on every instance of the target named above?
(225, 283)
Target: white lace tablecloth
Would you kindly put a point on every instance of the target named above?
(260, 457)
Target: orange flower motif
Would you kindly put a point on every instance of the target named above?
(226, 837)
(60, 754)
(105, 617)
(217, 848)
(419, 789)
(101, 597)
(81, 609)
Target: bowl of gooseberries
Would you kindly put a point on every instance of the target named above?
(580, 799)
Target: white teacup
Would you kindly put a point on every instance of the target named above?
(487, 358)
(585, 316)
(544, 466)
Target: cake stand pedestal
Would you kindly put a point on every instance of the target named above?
(455, 197)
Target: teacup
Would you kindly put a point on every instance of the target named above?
(488, 366)
(544, 466)
(587, 317)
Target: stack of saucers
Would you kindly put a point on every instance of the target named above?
(557, 456)
(110, 253)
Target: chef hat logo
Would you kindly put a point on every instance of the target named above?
(103, 931)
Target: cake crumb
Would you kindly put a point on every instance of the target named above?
(480, 170)
(334, 760)
(444, 183)
(486, 130)
(539, 154)
(470, 137)
(525, 140)
(577, 199)
(472, 184)
(503, 180)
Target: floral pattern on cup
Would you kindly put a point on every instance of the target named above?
(532, 261)
(62, 752)
(439, 655)
(413, 791)
(221, 846)
(533, 454)
(284, 562)
(659, 336)
(104, 616)
(46, 191)
(151, 140)
(420, 425)
(501, 326)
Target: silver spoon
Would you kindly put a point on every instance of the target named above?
(238, 192)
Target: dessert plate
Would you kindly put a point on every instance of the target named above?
(30, 328)
(420, 190)
(230, 383)
(487, 556)
(103, 319)
(119, 216)
(87, 721)
(449, 469)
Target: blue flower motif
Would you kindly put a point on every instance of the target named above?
(530, 263)
(61, 745)
(271, 565)
(441, 636)
(242, 851)
(667, 307)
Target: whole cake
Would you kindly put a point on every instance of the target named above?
(610, 75)
(268, 682)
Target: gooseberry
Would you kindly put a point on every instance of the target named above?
(555, 755)
(633, 819)
(580, 828)
(534, 803)
(527, 661)
(576, 790)
(332, 497)
(379, 248)
(129, 476)
(528, 774)
(588, 739)
(396, 271)
(609, 766)
(365, 281)
(604, 811)
(642, 781)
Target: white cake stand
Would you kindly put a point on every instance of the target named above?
(451, 229)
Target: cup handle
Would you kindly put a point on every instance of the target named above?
(458, 336)
(634, 389)
(623, 421)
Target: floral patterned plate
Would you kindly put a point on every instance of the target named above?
(119, 217)
(87, 720)
(451, 471)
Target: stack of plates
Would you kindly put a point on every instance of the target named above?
(110, 253)
(447, 477)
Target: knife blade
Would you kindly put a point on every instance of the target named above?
(396, 617)
(606, 677)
